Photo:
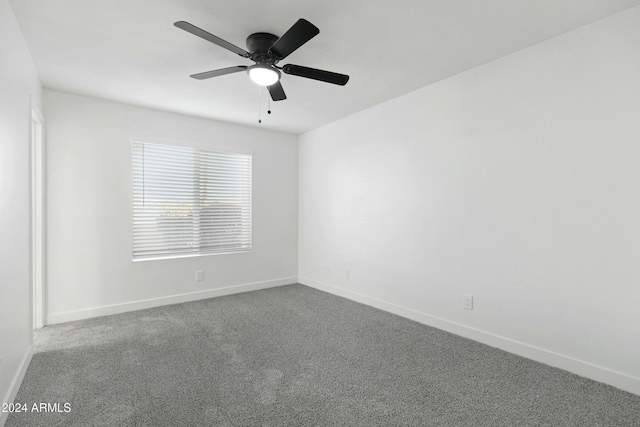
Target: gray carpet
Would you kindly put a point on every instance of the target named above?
(295, 356)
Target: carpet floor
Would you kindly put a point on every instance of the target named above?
(295, 356)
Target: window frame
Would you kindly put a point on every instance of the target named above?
(215, 149)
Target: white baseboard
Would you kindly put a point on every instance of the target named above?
(15, 383)
(88, 313)
(585, 369)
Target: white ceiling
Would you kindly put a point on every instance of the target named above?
(129, 50)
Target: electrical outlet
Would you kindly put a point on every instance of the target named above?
(346, 273)
(327, 270)
(199, 276)
(468, 301)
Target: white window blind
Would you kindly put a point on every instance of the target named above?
(189, 201)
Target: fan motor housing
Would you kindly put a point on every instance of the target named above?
(258, 45)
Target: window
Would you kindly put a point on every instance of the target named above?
(189, 201)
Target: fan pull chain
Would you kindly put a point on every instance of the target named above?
(259, 106)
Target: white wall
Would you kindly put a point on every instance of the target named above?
(517, 182)
(89, 210)
(19, 91)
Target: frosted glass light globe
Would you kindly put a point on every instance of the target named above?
(263, 75)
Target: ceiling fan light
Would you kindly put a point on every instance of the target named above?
(263, 75)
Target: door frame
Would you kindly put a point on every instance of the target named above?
(38, 219)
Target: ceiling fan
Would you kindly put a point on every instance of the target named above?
(266, 50)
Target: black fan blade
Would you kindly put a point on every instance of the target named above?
(276, 92)
(315, 74)
(210, 37)
(300, 33)
(220, 72)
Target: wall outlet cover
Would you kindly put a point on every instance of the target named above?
(468, 301)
